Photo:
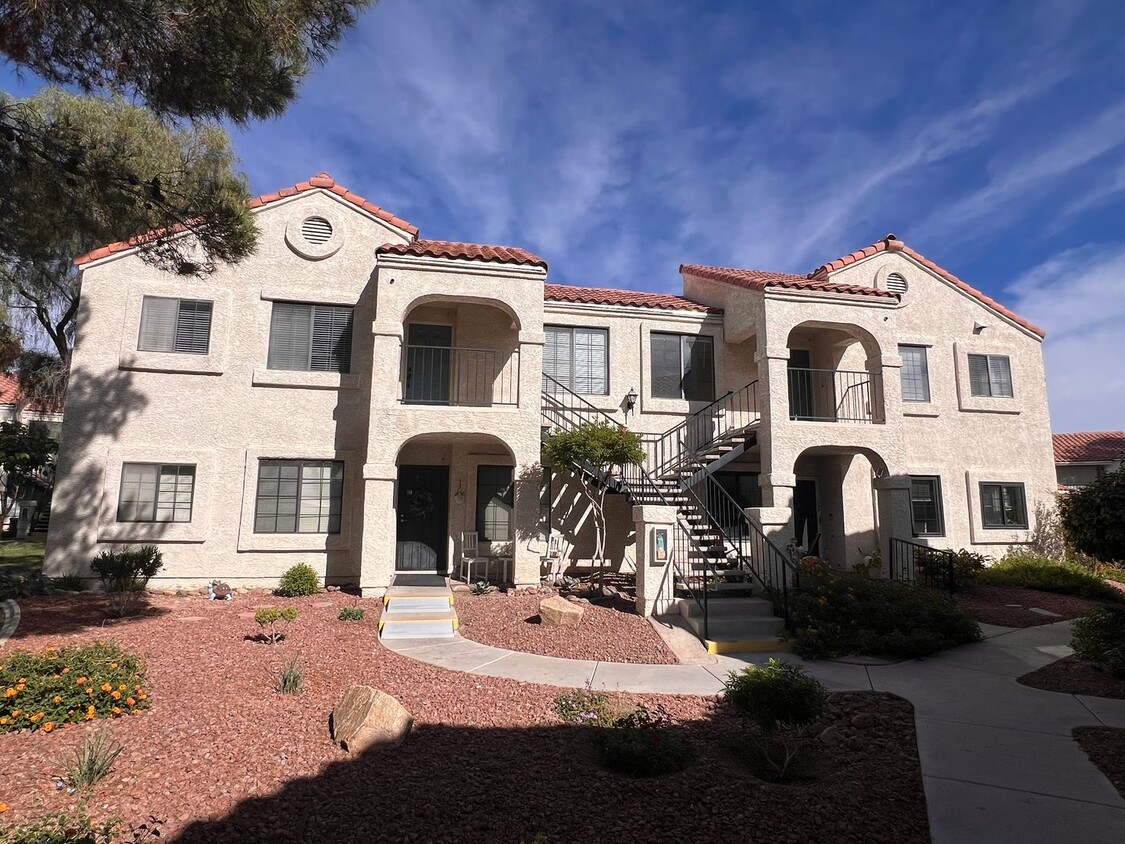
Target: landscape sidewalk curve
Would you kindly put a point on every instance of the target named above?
(998, 760)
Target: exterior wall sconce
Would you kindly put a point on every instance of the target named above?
(630, 400)
(459, 495)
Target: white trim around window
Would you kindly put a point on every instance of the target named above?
(196, 530)
(966, 401)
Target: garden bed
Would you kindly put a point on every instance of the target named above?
(1106, 748)
(1075, 676)
(612, 632)
(221, 757)
(1010, 606)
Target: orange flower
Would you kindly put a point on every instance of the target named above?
(90, 690)
(81, 680)
(65, 670)
(116, 710)
(20, 686)
(106, 687)
(35, 719)
(57, 699)
(90, 713)
(9, 692)
(4, 807)
(16, 713)
(135, 712)
(142, 696)
(116, 695)
(3, 720)
(50, 725)
(131, 701)
(22, 680)
(122, 687)
(113, 665)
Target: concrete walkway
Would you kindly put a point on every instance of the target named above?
(998, 760)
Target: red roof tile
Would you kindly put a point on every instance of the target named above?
(893, 244)
(10, 393)
(1089, 447)
(470, 251)
(761, 279)
(630, 298)
(321, 181)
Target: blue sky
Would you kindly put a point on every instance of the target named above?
(621, 139)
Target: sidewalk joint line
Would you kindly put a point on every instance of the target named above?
(1025, 791)
(919, 717)
(1088, 709)
(490, 662)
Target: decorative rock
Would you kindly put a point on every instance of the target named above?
(559, 612)
(863, 721)
(459, 587)
(366, 717)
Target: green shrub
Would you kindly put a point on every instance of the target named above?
(351, 614)
(1034, 571)
(643, 743)
(300, 580)
(583, 706)
(1115, 573)
(779, 694)
(1093, 517)
(68, 686)
(839, 613)
(93, 760)
(1099, 636)
(292, 678)
(269, 617)
(78, 828)
(68, 583)
(126, 573)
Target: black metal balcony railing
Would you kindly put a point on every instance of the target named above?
(438, 375)
(835, 395)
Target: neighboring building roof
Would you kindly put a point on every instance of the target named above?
(629, 298)
(1089, 447)
(321, 181)
(471, 251)
(893, 244)
(10, 393)
(761, 279)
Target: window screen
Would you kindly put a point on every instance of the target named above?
(494, 503)
(299, 496)
(990, 375)
(915, 373)
(175, 325)
(315, 338)
(156, 492)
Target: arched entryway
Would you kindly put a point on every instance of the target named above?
(834, 374)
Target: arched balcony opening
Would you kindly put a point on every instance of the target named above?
(834, 374)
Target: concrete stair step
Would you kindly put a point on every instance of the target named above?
(737, 629)
(419, 603)
(418, 629)
(732, 607)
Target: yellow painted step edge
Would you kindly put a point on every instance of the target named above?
(748, 646)
(412, 619)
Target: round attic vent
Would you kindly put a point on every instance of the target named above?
(896, 283)
(316, 230)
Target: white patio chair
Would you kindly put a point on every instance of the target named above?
(556, 557)
(470, 555)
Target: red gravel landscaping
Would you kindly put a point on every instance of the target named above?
(1010, 606)
(610, 633)
(1074, 676)
(221, 757)
(1106, 748)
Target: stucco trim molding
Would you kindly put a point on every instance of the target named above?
(966, 401)
(197, 530)
(306, 380)
(129, 357)
(315, 295)
(250, 541)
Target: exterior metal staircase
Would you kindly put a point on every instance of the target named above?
(732, 583)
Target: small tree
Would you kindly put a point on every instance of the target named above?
(126, 573)
(597, 449)
(1094, 517)
(24, 451)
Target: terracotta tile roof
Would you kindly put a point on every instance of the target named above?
(761, 279)
(319, 181)
(10, 393)
(1089, 447)
(470, 251)
(630, 298)
(893, 244)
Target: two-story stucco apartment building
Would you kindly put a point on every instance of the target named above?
(357, 398)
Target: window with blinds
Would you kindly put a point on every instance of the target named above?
(1003, 506)
(990, 375)
(682, 366)
(578, 358)
(915, 373)
(299, 496)
(156, 492)
(316, 338)
(925, 506)
(175, 325)
(494, 503)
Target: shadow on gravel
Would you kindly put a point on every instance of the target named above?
(62, 615)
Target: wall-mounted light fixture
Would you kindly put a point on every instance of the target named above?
(630, 400)
(459, 495)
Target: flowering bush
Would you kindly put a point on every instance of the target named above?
(583, 706)
(68, 686)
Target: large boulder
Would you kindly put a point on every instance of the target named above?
(557, 611)
(366, 717)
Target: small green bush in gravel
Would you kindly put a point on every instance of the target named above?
(840, 613)
(299, 580)
(269, 617)
(643, 743)
(351, 614)
(93, 760)
(778, 694)
(291, 681)
(583, 706)
(79, 828)
(1099, 636)
(68, 686)
(126, 573)
(1035, 571)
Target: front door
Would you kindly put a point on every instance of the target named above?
(422, 507)
(428, 363)
(806, 516)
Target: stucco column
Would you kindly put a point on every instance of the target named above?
(377, 551)
(893, 501)
(886, 376)
(773, 386)
(775, 517)
(654, 572)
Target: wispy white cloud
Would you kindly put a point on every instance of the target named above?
(1079, 296)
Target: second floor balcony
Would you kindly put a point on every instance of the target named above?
(835, 395)
(460, 377)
